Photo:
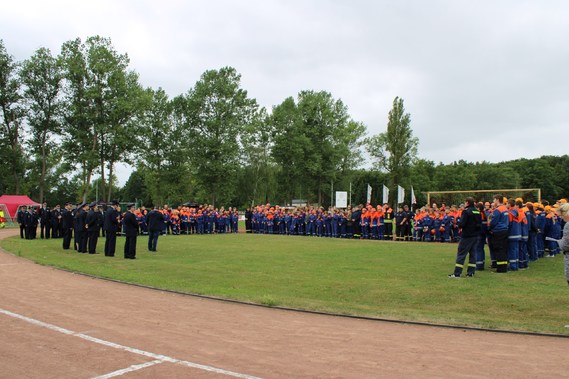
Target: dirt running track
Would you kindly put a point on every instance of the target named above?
(55, 324)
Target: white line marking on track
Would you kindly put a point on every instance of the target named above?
(128, 369)
(158, 357)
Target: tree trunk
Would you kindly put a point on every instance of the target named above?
(43, 167)
(111, 164)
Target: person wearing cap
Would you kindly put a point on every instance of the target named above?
(67, 225)
(111, 227)
(44, 215)
(31, 220)
(131, 232)
(81, 227)
(563, 212)
(21, 219)
(92, 227)
(55, 219)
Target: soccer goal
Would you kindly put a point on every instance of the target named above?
(458, 197)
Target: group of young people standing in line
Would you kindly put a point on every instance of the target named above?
(516, 232)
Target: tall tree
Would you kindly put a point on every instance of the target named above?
(164, 159)
(395, 149)
(102, 98)
(288, 149)
(259, 172)
(315, 140)
(11, 119)
(42, 76)
(215, 112)
(79, 133)
(123, 128)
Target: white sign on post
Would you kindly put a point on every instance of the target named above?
(341, 199)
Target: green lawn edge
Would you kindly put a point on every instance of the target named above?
(378, 279)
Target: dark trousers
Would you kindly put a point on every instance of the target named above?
(82, 241)
(466, 246)
(67, 238)
(130, 247)
(93, 236)
(500, 247)
(357, 230)
(55, 230)
(388, 230)
(22, 231)
(152, 239)
(31, 231)
(110, 243)
(45, 229)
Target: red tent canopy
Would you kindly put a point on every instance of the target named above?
(12, 203)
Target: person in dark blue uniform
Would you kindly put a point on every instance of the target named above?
(67, 225)
(31, 220)
(470, 225)
(21, 219)
(131, 232)
(92, 227)
(111, 226)
(156, 223)
(80, 227)
(44, 214)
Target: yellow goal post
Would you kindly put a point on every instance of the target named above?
(457, 197)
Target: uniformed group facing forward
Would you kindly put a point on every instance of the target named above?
(86, 222)
(515, 231)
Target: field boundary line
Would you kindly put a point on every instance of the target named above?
(128, 369)
(159, 358)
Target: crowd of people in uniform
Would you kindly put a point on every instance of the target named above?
(531, 229)
(86, 222)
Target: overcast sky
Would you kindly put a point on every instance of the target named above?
(482, 80)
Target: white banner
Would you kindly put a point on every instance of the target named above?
(341, 199)
(368, 194)
(413, 198)
(385, 195)
(400, 194)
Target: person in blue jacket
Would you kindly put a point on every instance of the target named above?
(499, 223)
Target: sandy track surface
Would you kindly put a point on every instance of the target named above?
(55, 324)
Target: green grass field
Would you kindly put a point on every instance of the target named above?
(406, 281)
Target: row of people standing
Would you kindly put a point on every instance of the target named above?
(192, 220)
(359, 222)
(49, 221)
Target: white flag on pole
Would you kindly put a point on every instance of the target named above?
(400, 194)
(385, 195)
(368, 194)
(413, 198)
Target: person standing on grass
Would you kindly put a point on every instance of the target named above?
(155, 220)
(498, 229)
(111, 226)
(563, 212)
(130, 231)
(92, 227)
(21, 219)
(67, 225)
(470, 224)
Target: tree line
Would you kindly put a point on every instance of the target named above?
(67, 120)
